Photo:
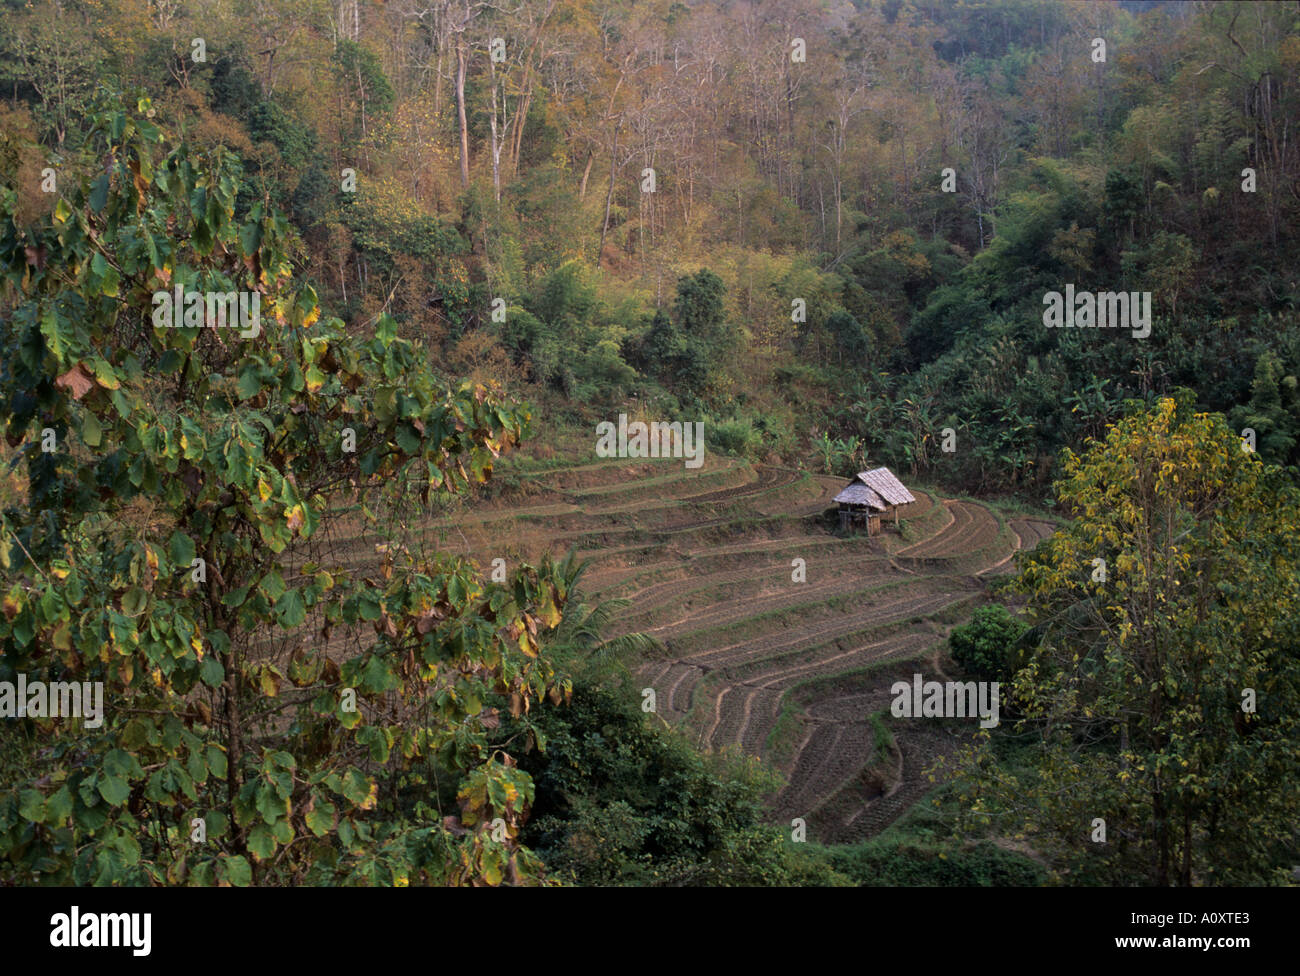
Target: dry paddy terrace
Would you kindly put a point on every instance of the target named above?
(797, 673)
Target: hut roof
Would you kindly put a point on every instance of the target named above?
(884, 484)
(859, 494)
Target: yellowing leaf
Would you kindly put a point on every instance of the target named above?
(62, 637)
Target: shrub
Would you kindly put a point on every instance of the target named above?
(736, 436)
(983, 645)
(882, 862)
(622, 799)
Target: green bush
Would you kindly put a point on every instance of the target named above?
(622, 799)
(922, 863)
(983, 646)
(736, 436)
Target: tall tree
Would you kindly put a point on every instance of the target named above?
(253, 681)
(1164, 690)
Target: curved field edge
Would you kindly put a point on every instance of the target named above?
(751, 655)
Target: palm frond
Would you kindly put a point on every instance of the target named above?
(626, 645)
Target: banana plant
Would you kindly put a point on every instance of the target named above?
(581, 635)
(826, 449)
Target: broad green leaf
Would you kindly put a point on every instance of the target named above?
(181, 548)
(290, 609)
(273, 586)
(114, 790)
(134, 601)
(58, 808)
(238, 871)
(99, 193)
(105, 375)
(108, 284)
(320, 818)
(260, 842)
(211, 671)
(91, 432)
(216, 757)
(217, 823)
(50, 329)
(31, 806)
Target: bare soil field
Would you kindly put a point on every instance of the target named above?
(759, 658)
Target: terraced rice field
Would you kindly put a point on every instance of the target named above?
(790, 671)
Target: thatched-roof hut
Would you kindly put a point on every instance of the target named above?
(869, 496)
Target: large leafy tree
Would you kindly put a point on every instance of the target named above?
(1272, 411)
(317, 711)
(691, 346)
(1165, 685)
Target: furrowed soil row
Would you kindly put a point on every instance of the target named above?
(836, 751)
(778, 674)
(666, 678)
(777, 678)
(771, 687)
(617, 473)
(685, 488)
(894, 646)
(855, 774)
(654, 673)
(749, 597)
(719, 641)
(919, 749)
(842, 690)
(828, 802)
(982, 529)
(680, 692)
(668, 577)
(1030, 532)
(667, 566)
(790, 671)
(946, 539)
(906, 606)
(700, 498)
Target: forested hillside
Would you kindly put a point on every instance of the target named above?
(829, 231)
(577, 160)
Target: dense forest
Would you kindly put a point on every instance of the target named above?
(798, 155)
(823, 228)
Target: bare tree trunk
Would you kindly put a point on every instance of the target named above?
(462, 63)
(521, 116)
(821, 201)
(361, 98)
(609, 197)
(582, 190)
(437, 87)
(496, 136)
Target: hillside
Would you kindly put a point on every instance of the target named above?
(323, 561)
(792, 672)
